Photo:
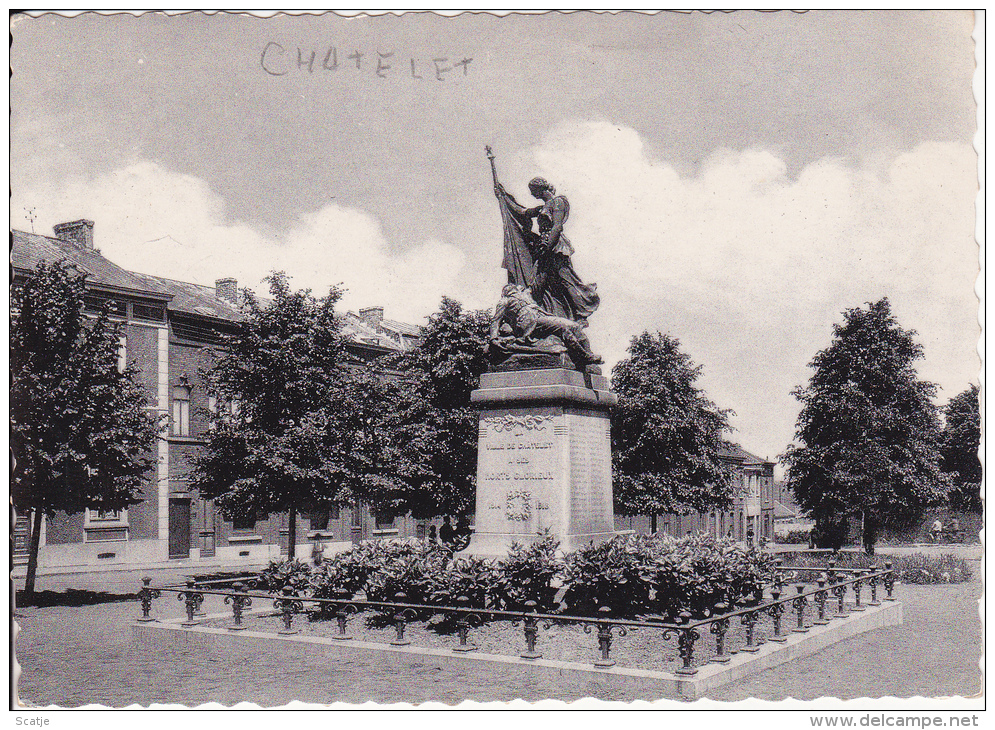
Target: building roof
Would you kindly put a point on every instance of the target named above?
(356, 330)
(781, 510)
(735, 451)
(30, 249)
(194, 298)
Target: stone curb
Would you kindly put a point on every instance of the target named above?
(170, 635)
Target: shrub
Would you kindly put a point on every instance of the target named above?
(529, 573)
(620, 574)
(407, 567)
(794, 537)
(279, 573)
(914, 568)
(697, 572)
(474, 578)
(640, 574)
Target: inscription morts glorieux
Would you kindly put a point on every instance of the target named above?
(518, 469)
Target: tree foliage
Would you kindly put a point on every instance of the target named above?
(81, 430)
(868, 433)
(666, 434)
(961, 440)
(436, 426)
(288, 433)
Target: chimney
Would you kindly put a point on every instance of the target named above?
(227, 289)
(79, 233)
(371, 316)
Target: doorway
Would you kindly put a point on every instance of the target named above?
(179, 528)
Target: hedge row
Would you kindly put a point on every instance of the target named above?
(914, 568)
(635, 575)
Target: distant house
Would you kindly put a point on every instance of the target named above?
(168, 326)
(752, 506)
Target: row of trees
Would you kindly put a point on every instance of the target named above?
(302, 426)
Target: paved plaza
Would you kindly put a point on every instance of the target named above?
(71, 656)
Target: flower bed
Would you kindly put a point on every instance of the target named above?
(633, 576)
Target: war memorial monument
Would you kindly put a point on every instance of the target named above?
(544, 444)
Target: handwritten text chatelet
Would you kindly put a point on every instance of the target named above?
(276, 60)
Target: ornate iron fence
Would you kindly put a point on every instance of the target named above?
(830, 583)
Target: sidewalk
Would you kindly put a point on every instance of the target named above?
(127, 578)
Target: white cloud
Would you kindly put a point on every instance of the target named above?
(746, 265)
(749, 267)
(157, 221)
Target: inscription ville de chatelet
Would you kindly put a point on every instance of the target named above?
(519, 504)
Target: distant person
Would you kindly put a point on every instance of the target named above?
(749, 537)
(954, 529)
(936, 530)
(433, 536)
(446, 533)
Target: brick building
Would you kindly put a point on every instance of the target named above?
(167, 328)
(752, 507)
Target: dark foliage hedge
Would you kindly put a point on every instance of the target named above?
(635, 575)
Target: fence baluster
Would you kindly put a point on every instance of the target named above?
(856, 592)
(192, 600)
(287, 605)
(531, 632)
(685, 645)
(749, 620)
(778, 574)
(400, 621)
(889, 580)
(605, 640)
(463, 627)
(718, 629)
(873, 582)
(839, 591)
(799, 603)
(238, 603)
(146, 595)
(775, 610)
(342, 615)
(820, 602)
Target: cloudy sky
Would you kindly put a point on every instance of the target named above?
(736, 180)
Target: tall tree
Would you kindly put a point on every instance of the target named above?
(435, 424)
(666, 434)
(868, 433)
(81, 432)
(961, 440)
(279, 379)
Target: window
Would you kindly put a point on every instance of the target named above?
(99, 515)
(212, 408)
(151, 312)
(384, 521)
(181, 410)
(244, 524)
(319, 520)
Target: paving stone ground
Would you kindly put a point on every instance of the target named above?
(73, 656)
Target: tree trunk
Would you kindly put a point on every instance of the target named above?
(870, 534)
(292, 535)
(29, 580)
(653, 524)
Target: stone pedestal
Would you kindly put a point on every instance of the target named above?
(543, 459)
